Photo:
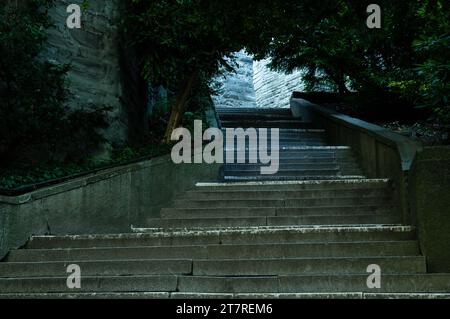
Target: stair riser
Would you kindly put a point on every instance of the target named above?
(288, 178)
(272, 212)
(282, 203)
(256, 168)
(90, 284)
(232, 252)
(303, 173)
(282, 284)
(97, 268)
(316, 284)
(254, 267)
(318, 186)
(270, 221)
(305, 194)
(269, 237)
(409, 265)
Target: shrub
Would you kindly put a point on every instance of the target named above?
(35, 123)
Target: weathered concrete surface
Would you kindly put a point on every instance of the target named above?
(429, 184)
(110, 201)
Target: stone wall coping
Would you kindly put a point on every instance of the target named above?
(83, 181)
(406, 147)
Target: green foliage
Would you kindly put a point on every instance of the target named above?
(26, 175)
(433, 48)
(329, 39)
(35, 124)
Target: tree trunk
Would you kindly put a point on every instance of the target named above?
(179, 107)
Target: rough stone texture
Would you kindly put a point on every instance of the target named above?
(429, 184)
(94, 55)
(236, 89)
(274, 89)
(107, 202)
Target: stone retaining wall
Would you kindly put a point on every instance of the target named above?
(110, 201)
(429, 185)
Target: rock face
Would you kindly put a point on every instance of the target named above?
(254, 85)
(93, 52)
(274, 89)
(236, 89)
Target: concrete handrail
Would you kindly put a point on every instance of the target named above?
(380, 152)
(406, 147)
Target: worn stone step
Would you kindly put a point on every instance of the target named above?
(251, 296)
(256, 169)
(219, 222)
(286, 178)
(291, 123)
(306, 296)
(297, 162)
(414, 283)
(217, 267)
(307, 266)
(225, 251)
(276, 211)
(243, 111)
(396, 283)
(280, 146)
(234, 117)
(96, 267)
(261, 235)
(295, 185)
(312, 132)
(284, 173)
(101, 284)
(87, 296)
(290, 149)
(199, 194)
(285, 167)
(294, 202)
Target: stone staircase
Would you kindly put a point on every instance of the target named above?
(309, 231)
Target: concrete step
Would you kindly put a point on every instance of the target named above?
(217, 267)
(200, 194)
(307, 266)
(218, 251)
(287, 202)
(300, 161)
(282, 166)
(243, 221)
(414, 283)
(96, 267)
(293, 149)
(101, 284)
(283, 173)
(236, 117)
(391, 283)
(261, 235)
(290, 123)
(282, 144)
(256, 169)
(282, 178)
(252, 111)
(295, 185)
(277, 211)
(87, 296)
(314, 132)
(251, 296)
